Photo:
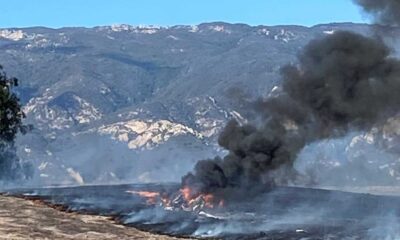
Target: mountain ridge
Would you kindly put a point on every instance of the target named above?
(77, 81)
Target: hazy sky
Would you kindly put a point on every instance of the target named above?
(59, 13)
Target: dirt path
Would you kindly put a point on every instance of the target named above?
(24, 219)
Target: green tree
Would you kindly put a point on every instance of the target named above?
(11, 115)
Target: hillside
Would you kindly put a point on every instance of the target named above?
(23, 219)
(142, 103)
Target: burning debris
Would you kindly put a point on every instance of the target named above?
(184, 200)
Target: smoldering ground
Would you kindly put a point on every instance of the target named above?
(279, 213)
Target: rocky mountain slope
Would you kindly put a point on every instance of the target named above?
(141, 103)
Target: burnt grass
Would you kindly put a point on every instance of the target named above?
(338, 215)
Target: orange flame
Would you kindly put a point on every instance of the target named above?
(151, 197)
(192, 199)
(186, 193)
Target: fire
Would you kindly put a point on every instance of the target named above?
(151, 197)
(194, 200)
(186, 193)
(186, 199)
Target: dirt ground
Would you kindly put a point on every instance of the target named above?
(25, 219)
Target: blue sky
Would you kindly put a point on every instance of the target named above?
(61, 13)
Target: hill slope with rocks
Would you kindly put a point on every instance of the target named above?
(143, 103)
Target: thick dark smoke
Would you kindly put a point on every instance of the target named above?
(345, 80)
(386, 12)
(342, 82)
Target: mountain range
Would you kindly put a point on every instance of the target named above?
(144, 103)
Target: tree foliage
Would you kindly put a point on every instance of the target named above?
(11, 116)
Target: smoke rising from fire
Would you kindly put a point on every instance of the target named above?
(342, 82)
(386, 12)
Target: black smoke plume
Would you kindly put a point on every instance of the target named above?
(385, 12)
(342, 82)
